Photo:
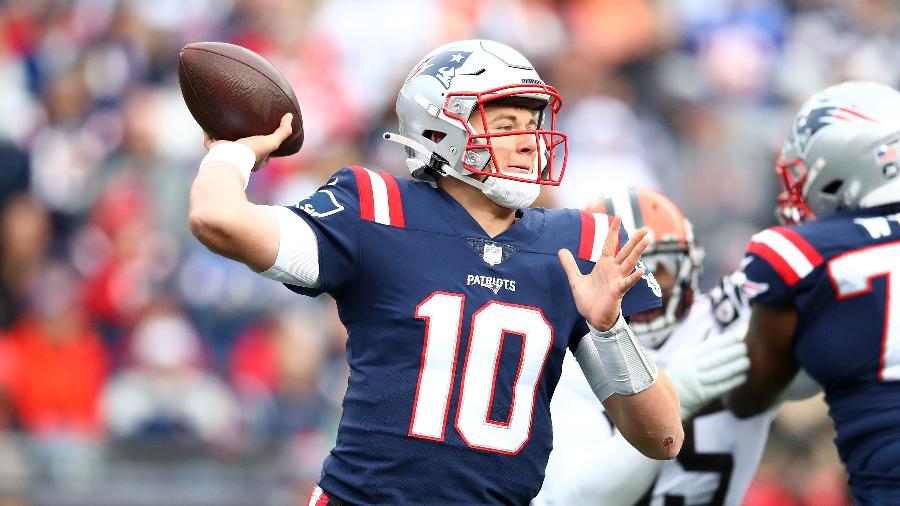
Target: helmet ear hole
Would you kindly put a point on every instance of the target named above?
(434, 135)
(833, 187)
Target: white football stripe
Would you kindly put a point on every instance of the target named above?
(380, 199)
(792, 255)
(621, 202)
(601, 227)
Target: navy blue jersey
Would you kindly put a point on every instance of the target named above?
(456, 339)
(839, 273)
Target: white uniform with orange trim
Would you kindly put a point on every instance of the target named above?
(720, 452)
(455, 339)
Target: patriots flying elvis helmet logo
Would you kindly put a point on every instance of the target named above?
(442, 66)
(818, 118)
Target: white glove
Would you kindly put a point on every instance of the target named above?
(710, 369)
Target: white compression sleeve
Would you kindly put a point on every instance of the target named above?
(629, 369)
(235, 154)
(298, 251)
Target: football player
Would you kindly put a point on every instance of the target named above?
(460, 301)
(696, 338)
(821, 287)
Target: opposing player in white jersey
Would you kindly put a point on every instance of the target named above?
(697, 339)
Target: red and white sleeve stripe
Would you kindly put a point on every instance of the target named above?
(792, 256)
(594, 227)
(318, 497)
(379, 197)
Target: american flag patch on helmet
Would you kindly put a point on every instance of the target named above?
(886, 153)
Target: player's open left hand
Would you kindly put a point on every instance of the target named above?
(262, 145)
(598, 294)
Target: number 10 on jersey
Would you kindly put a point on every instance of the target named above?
(443, 315)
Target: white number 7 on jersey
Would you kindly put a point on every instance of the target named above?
(443, 313)
(851, 274)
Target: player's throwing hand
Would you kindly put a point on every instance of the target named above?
(598, 294)
(262, 145)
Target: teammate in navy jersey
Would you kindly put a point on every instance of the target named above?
(821, 288)
(459, 300)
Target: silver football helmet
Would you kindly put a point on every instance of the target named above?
(452, 82)
(841, 152)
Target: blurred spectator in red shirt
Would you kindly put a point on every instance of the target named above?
(825, 485)
(55, 363)
(768, 489)
(126, 258)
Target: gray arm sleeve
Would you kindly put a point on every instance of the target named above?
(629, 369)
(589, 360)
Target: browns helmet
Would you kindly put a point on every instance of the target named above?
(672, 256)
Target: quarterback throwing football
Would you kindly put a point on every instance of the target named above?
(459, 300)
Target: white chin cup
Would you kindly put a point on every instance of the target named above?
(510, 193)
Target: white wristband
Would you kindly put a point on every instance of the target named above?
(235, 154)
(630, 370)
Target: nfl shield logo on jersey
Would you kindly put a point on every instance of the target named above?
(493, 254)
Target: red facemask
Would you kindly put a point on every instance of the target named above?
(550, 143)
(792, 208)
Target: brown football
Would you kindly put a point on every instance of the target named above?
(233, 92)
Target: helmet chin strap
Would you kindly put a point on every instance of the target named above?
(503, 192)
(414, 165)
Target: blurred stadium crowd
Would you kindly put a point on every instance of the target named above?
(138, 368)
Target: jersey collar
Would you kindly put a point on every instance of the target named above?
(526, 229)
